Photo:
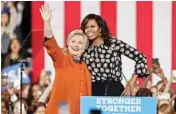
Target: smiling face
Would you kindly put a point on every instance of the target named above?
(92, 30)
(76, 45)
(15, 46)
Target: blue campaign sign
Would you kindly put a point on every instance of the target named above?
(119, 105)
(13, 74)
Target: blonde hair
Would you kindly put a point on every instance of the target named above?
(80, 33)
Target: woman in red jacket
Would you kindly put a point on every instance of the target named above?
(72, 78)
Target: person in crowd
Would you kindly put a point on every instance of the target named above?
(16, 107)
(144, 92)
(154, 90)
(25, 90)
(6, 31)
(39, 108)
(103, 59)
(6, 22)
(4, 106)
(161, 86)
(165, 107)
(135, 89)
(14, 53)
(3, 82)
(36, 91)
(46, 94)
(15, 10)
(72, 78)
(173, 101)
(44, 79)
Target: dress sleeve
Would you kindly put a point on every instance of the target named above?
(53, 50)
(134, 54)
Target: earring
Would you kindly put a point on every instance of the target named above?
(100, 34)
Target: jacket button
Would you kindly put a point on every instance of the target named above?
(82, 82)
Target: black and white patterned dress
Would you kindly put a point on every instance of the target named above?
(104, 62)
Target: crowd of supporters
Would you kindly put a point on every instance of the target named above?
(163, 90)
(35, 96)
(15, 46)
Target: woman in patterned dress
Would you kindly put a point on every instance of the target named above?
(103, 59)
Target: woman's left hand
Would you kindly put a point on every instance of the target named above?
(130, 85)
(128, 89)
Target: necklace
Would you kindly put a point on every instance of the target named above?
(77, 60)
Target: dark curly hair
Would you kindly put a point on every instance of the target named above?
(105, 33)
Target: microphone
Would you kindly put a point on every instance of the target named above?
(27, 60)
(127, 83)
(125, 79)
(106, 88)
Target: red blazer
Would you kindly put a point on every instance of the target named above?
(72, 80)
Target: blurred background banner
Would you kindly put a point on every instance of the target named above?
(13, 75)
(118, 105)
(149, 26)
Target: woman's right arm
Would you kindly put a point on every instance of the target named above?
(50, 43)
(46, 14)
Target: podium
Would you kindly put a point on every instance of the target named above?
(118, 105)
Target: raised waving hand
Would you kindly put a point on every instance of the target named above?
(46, 12)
